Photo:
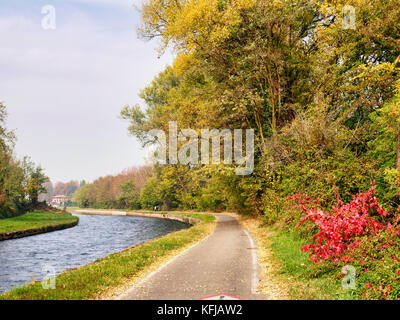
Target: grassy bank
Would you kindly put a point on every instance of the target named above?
(104, 277)
(35, 220)
(287, 272)
(307, 280)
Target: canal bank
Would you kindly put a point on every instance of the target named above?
(34, 223)
(101, 278)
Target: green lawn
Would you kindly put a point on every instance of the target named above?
(34, 220)
(309, 281)
(103, 275)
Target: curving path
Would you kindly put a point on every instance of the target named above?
(223, 263)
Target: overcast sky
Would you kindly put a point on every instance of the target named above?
(64, 88)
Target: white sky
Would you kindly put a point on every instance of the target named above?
(64, 88)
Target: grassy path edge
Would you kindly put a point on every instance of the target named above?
(108, 277)
(271, 283)
(287, 272)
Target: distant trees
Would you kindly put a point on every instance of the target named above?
(129, 197)
(66, 189)
(121, 191)
(60, 188)
(149, 196)
(81, 196)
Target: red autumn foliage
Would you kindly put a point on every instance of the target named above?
(341, 229)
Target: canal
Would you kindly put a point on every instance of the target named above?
(95, 237)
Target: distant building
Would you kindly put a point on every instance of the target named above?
(59, 201)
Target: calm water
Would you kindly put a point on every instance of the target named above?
(95, 237)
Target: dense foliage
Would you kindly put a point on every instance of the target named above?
(323, 98)
(21, 181)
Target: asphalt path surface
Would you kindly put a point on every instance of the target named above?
(223, 264)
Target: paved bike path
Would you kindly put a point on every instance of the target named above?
(224, 263)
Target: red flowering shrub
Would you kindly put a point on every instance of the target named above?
(340, 230)
(360, 233)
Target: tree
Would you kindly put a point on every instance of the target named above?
(36, 184)
(81, 198)
(149, 196)
(129, 197)
(70, 188)
(11, 173)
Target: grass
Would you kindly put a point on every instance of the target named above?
(106, 275)
(307, 280)
(271, 284)
(34, 220)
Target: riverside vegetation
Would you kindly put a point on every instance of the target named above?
(324, 101)
(21, 181)
(35, 220)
